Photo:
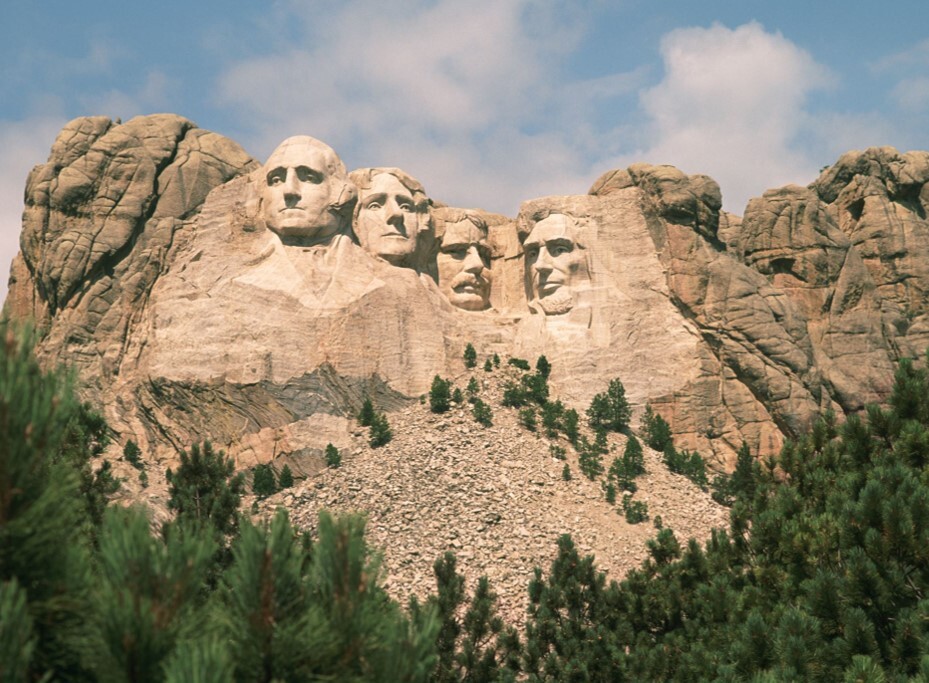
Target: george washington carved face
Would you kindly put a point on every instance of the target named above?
(305, 191)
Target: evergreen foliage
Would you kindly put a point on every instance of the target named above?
(557, 452)
(610, 410)
(482, 413)
(470, 356)
(457, 396)
(688, 463)
(366, 415)
(553, 418)
(472, 644)
(636, 511)
(204, 490)
(264, 483)
(527, 418)
(132, 453)
(543, 367)
(566, 472)
(624, 470)
(514, 395)
(474, 388)
(571, 426)
(146, 595)
(488, 366)
(496, 360)
(656, 432)
(440, 394)
(333, 457)
(379, 433)
(285, 479)
(519, 363)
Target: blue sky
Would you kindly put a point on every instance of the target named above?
(487, 102)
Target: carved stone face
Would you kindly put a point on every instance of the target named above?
(555, 263)
(296, 200)
(389, 220)
(464, 262)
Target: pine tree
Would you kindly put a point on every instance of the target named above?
(366, 415)
(264, 483)
(474, 388)
(657, 433)
(457, 396)
(131, 453)
(482, 413)
(496, 359)
(204, 489)
(566, 472)
(527, 418)
(598, 413)
(440, 395)
(488, 366)
(147, 596)
(44, 547)
(379, 433)
(470, 356)
(543, 367)
(333, 457)
(571, 426)
(285, 478)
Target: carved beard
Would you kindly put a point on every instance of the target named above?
(557, 303)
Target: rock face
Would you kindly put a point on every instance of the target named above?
(201, 295)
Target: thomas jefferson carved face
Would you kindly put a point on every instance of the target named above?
(390, 217)
(304, 191)
(463, 263)
(555, 263)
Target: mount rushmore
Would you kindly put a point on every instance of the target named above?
(202, 294)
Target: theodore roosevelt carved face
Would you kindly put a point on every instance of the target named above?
(463, 261)
(392, 218)
(305, 192)
(556, 263)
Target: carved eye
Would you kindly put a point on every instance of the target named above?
(532, 253)
(373, 205)
(275, 177)
(559, 250)
(307, 175)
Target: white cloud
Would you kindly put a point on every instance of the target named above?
(23, 144)
(912, 94)
(455, 93)
(732, 105)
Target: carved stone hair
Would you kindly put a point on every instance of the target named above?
(364, 177)
(526, 222)
(449, 216)
(342, 194)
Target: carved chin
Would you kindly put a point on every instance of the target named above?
(468, 301)
(558, 302)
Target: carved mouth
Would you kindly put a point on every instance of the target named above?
(548, 288)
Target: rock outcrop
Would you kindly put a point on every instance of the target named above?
(201, 296)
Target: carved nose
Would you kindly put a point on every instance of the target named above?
(291, 185)
(473, 262)
(394, 214)
(543, 262)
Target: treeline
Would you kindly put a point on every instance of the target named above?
(822, 575)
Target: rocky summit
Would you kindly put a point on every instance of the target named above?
(202, 294)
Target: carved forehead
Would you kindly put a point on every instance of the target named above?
(302, 150)
(463, 232)
(555, 227)
(364, 179)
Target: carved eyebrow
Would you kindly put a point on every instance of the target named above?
(559, 242)
(275, 173)
(371, 198)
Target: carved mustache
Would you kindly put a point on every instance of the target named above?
(464, 279)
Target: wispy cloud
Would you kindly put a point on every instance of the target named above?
(459, 94)
(732, 105)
